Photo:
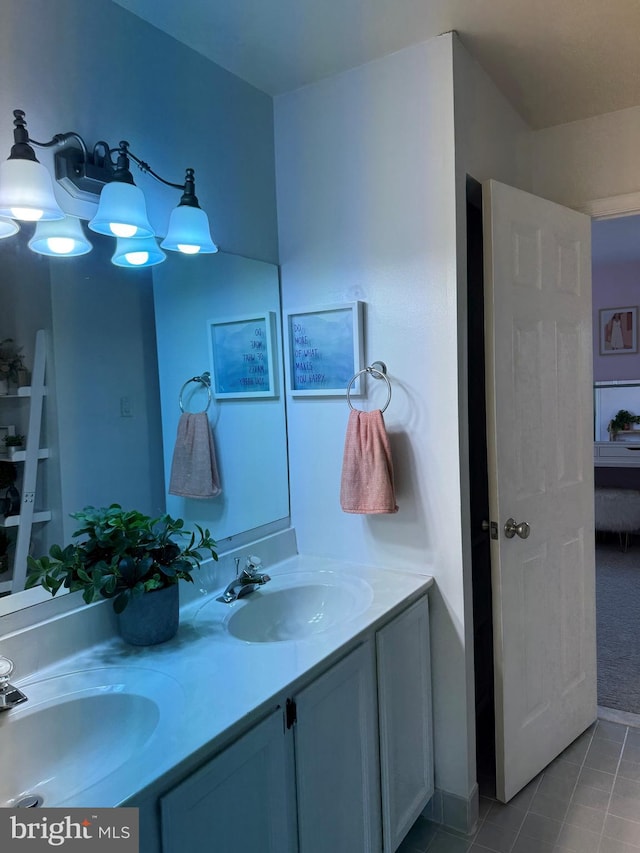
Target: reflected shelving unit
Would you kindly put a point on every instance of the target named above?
(29, 457)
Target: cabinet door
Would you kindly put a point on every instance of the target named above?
(243, 800)
(337, 768)
(404, 697)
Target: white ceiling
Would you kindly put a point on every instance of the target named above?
(555, 60)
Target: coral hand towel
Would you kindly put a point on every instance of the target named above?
(367, 469)
(194, 472)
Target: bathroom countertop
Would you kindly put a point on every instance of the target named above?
(222, 684)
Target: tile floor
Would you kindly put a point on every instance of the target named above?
(586, 801)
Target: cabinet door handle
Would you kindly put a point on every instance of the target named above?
(291, 713)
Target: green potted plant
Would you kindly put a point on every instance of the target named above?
(130, 558)
(10, 364)
(14, 442)
(623, 420)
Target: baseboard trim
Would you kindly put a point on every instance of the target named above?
(612, 715)
(454, 811)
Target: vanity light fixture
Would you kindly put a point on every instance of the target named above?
(137, 252)
(122, 210)
(188, 224)
(26, 188)
(26, 192)
(60, 238)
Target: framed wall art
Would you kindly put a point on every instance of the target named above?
(618, 330)
(242, 356)
(325, 349)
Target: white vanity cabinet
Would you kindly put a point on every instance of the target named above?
(343, 766)
(242, 800)
(363, 740)
(337, 767)
(404, 702)
(245, 799)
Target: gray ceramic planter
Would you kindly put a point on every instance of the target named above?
(152, 618)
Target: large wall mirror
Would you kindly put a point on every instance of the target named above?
(121, 344)
(609, 397)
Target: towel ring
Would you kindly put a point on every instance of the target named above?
(377, 374)
(205, 380)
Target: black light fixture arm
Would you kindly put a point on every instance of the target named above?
(61, 139)
(188, 187)
(22, 140)
(145, 167)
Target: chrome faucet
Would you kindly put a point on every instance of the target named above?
(245, 582)
(10, 696)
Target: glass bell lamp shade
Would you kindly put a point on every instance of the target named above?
(189, 231)
(26, 191)
(8, 227)
(137, 252)
(122, 212)
(63, 238)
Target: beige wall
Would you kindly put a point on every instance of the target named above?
(366, 210)
(577, 163)
(371, 168)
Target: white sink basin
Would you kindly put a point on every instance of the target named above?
(293, 606)
(76, 729)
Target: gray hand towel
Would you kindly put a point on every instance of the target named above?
(194, 472)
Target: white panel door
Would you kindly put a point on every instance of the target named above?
(540, 455)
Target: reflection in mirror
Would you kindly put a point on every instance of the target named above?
(110, 437)
(608, 399)
(249, 429)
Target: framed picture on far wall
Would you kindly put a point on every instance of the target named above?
(618, 331)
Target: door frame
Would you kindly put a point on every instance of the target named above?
(611, 207)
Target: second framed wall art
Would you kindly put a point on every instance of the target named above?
(325, 349)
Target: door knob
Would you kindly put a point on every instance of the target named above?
(511, 529)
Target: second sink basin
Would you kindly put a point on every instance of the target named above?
(76, 729)
(294, 606)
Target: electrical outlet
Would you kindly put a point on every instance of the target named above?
(126, 410)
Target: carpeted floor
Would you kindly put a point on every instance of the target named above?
(618, 625)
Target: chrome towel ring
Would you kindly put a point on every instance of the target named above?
(377, 373)
(205, 380)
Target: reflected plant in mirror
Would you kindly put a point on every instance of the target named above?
(11, 365)
(616, 407)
